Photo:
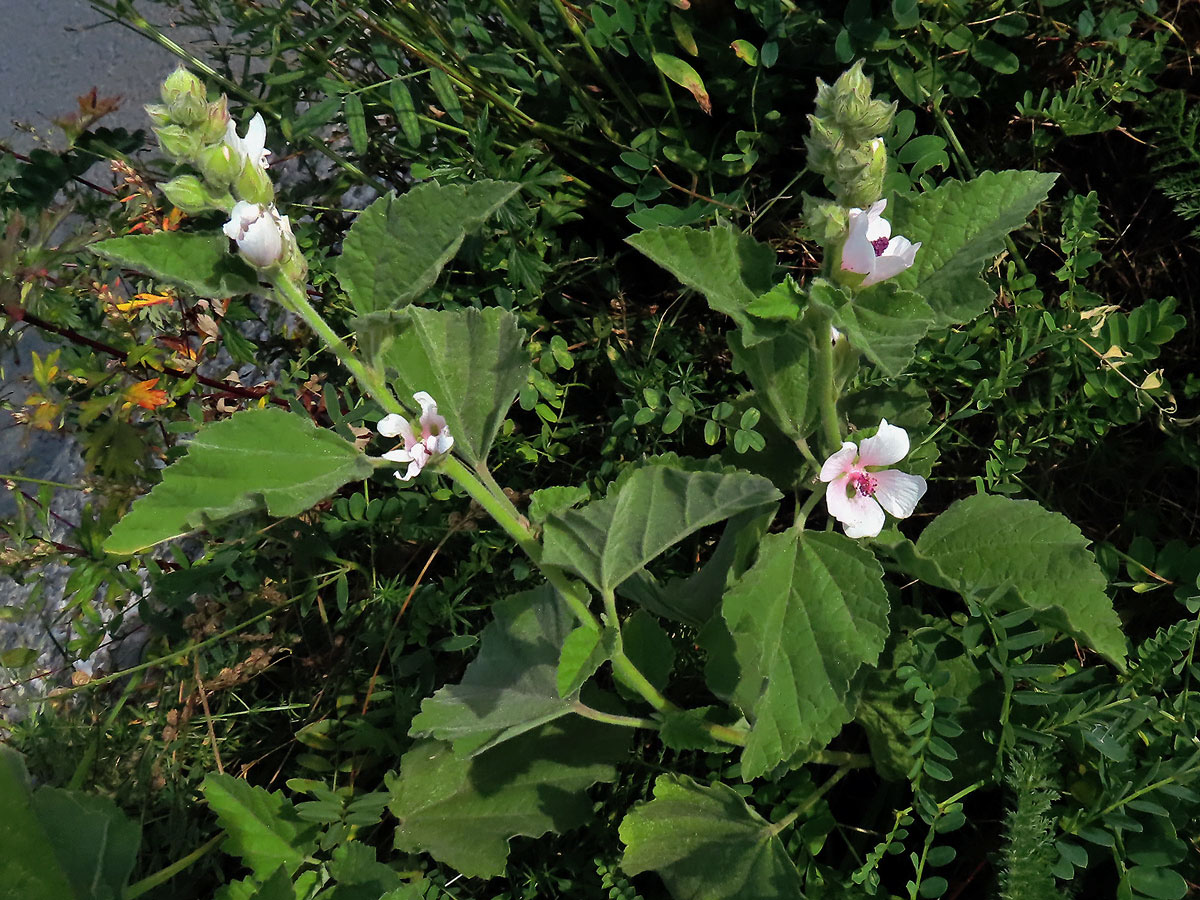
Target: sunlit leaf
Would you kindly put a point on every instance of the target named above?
(200, 262)
(259, 457)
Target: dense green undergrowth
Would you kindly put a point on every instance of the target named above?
(987, 752)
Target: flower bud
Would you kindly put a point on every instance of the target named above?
(254, 185)
(193, 196)
(865, 185)
(219, 165)
(263, 236)
(185, 97)
(825, 220)
(216, 121)
(158, 113)
(178, 142)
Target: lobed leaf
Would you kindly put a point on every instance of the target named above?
(806, 616)
(200, 262)
(259, 457)
(707, 844)
(961, 227)
(731, 269)
(471, 361)
(989, 546)
(512, 685)
(27, 867)
(885, 324)
(657, 506)
(397, 246)
(464, 811)
(261, 826)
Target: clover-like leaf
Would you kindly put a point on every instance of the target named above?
(398, 245)
(806, 616)
(961, 227)
(464, 811)
(655, 507)
(707, 844)
(1014, 550)
(259, 457)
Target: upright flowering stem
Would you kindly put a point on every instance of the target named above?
(296, 299)
(826, 388)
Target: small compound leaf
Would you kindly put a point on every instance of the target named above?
(512, 685)
(464, 811)
(983, 545)
(262, 827)
(707, 844)
(200, 262)
(397, 246)
(808, 614)
(654, 508)
(255, 458)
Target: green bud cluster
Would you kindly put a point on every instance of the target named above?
(844, 141)
(192, 130)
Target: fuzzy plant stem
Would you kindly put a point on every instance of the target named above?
(826, 389)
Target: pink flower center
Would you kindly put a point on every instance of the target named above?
(880, 244)
(864, 482)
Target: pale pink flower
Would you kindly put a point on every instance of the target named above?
(262, 234)
(860, 489)
(435, 440)
(870, 248)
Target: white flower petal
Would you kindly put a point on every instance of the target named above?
(899, 492)
(840, 462)
(444, 442)
(860, 516)
(858, 255)
(414, 469)
(877, 226)
(255, 143)
(389, 425)
(427, 403)
(888, 446)
(397, 456)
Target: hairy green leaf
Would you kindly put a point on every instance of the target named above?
(885, 324)
(808, 614)
(464, 811)
(994, 546)
(780, 369)
(512, 685)
(95, 844)
(657, 506)
(254, 458)
(961, 226)
(27, 865)
(200, 262)
(262, 827)
(729, 268)
(472, 362)
(707, 844)
(398, 245)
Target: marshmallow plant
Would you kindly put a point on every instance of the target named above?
(823, 535)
